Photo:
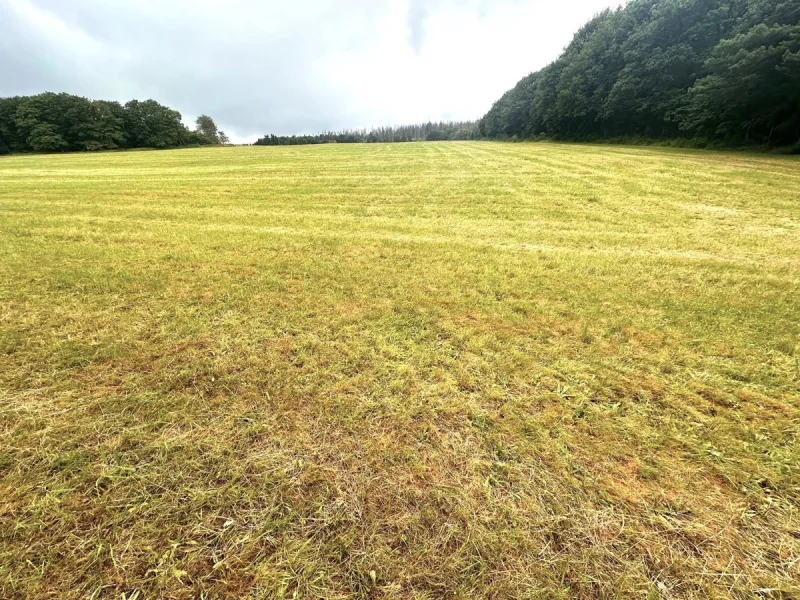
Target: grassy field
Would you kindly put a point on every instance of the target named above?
(453, 370)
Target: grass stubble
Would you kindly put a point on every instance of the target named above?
(451, 370)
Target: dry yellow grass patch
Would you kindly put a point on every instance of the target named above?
(443, 370)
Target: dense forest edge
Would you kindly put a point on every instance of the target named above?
(52, 122)
(710, 72)
(420, 132)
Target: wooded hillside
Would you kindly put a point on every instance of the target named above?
(725, 71)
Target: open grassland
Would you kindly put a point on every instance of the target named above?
(454, 370)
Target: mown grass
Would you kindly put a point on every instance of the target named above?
(450, 370)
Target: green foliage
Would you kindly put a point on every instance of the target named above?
(724, 70)
(8, 128)
(753, 87)
(149, 124)
(44, 137)
(207, 129)
(51, 122)
(435, 136)
(429, 131)
(108, 126)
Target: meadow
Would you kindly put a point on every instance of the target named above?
(432, 370)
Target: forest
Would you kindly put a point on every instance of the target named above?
(723, 72)
(430, 132)
(52, 122)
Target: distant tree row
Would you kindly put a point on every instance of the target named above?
(726, 71)
(61, 122)
(462, 130)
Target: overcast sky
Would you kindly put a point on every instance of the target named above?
(288, 66)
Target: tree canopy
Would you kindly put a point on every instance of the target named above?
(721, 70)
(205, 126)
(445, 130)
(52, 122)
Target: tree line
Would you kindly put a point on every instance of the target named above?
(52, 122)
(444, 130)
(720, 71)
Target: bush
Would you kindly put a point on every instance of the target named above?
(436, 136)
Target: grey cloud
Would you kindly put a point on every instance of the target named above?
(253, 70)
(417, 13)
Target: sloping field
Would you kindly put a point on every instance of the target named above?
(454, 370)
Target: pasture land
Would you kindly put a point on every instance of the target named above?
(453, 370)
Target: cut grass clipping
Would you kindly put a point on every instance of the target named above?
(455, 370)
